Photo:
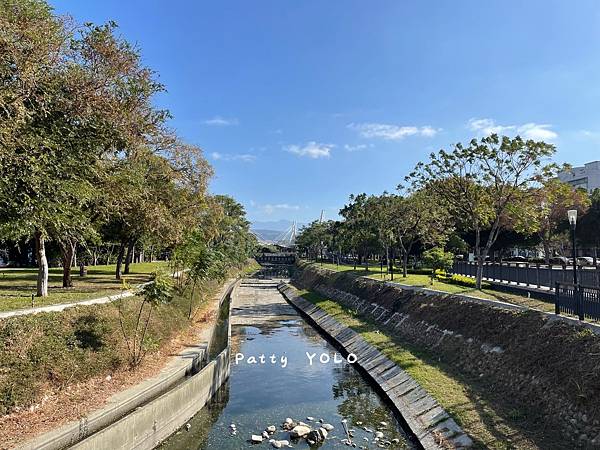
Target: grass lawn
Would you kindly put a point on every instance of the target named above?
(17, 285)
(425, 281)
(491, 421)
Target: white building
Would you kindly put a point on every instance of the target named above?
(586, 177)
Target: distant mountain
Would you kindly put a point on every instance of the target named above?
(267, 235)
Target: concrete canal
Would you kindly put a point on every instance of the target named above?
(281, 367)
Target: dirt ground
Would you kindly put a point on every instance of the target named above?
(74, 402)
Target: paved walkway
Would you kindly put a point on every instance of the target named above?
(62, 306)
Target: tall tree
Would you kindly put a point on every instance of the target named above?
(480, 181)
(419, 217)
(87, 97)
(359, 226)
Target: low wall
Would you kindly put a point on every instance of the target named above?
(426, 419)
(546, 366)
(185, 365)
(148, 426)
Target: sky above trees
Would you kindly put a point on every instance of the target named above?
(299, 104)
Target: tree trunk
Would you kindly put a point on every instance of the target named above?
(404, 263)
(129, 257)
(42, 261)
(546, 245)
(67, 253)
(120, 260)
(479, 275)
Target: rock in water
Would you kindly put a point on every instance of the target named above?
(265, 435)
(316, 436)
(271, 428)
(328, 426)
(288, 424)
(310, 419)
(378, 434)
(256, 439)
(299, 431)
(280, 444)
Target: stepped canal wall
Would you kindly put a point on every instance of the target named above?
(549, 369)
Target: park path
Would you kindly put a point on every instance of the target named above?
(62, 306)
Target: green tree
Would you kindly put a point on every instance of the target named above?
(481, 181)
(359, 227)
(437, 259)
(588, 225)
(62, 112)
(419, 217)
(545, 212)
(135, 327)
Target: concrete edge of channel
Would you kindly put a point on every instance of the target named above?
(124, 403)
(429, 423)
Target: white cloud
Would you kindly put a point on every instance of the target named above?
(487, 126)
(535, 131)
(357, 148)
(391, 132)
(312, 149)
(270, 209)
(219, 121)
(245, 157)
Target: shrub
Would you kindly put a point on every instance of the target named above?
(462, 280)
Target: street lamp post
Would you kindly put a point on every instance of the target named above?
(572, 214)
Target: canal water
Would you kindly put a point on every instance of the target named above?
(259, 395)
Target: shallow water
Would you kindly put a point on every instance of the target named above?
(258, 395)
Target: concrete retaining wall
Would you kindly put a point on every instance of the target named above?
(146, 427)
(426, 419)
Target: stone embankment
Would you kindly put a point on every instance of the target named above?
(547, 368)
(426, 419)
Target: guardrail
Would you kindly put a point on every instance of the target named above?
(533, 275)
(578, 300)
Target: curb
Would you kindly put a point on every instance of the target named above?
(426, 419)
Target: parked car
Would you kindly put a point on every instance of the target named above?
(563, 261)
(517, 259)
(585, 261)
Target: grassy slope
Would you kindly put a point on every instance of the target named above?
(47, 352)
(425, 281)
(17, 285)
(489, 420)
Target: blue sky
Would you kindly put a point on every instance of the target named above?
(298, 104)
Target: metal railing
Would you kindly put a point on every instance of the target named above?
(528, 274)
(578, 300)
